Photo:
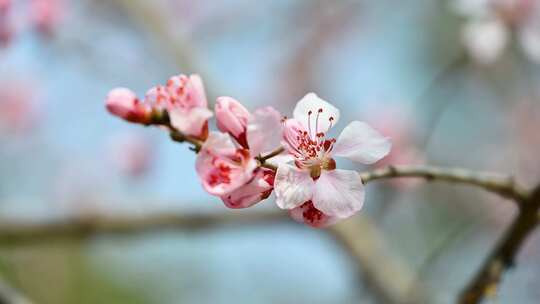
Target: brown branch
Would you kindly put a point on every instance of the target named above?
(263, 160)
(362, 243)
(492, 182)
(9, 295)
(502, 257)
(14, 233)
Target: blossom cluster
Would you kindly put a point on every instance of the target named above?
(492, 24)
(41, 15)
(255, 153)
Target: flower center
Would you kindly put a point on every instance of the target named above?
(314, 149)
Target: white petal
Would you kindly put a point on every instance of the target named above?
(312, 103)
(485, 40)
(339, 193)
(293, 187)
(361, 143)
(264, 131)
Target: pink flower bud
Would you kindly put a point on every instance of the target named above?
(124, 103)
(187, 105)
(258, 189)
(232, 117)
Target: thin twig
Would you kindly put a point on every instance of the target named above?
(502, 257)
(492, 182)
(263, 160)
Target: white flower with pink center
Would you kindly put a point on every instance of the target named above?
(312, 188)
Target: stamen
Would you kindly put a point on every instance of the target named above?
(331, 119)
(309, 122)
(317, 120)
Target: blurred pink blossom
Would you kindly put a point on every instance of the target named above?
(131, 153)
(492, 22)
(397, 123)
(6, 27)
(45, 15)
(313, 186)
(19, 109)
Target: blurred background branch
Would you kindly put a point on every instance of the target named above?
(8, 295)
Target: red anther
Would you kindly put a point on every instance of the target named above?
(320, 110)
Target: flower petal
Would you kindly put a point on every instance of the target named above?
(339, 193)
(311, 103)
(264, 130)
(309, 215)
(259, 188)
(190, 122)
(198, 93)
(232, 117)
(293, 187)
(292, 133)
(361, 143)
(221, 167)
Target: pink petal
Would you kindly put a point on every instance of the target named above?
(339, 193)
(198, 92)
(222, 168)
(123, 103)
(323, 114)
(293, 187)
(232, 117)
(186, 92)
(191, 122)
(292, 130)
(259, 188)
(264, 131)
(361, 143)
(309, 215)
